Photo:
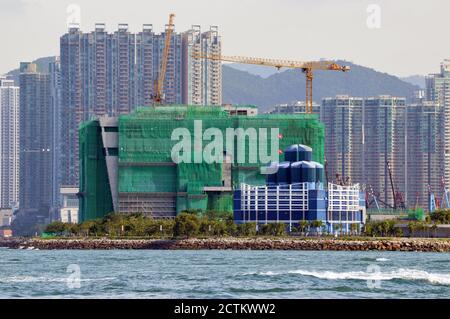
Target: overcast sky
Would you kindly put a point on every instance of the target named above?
(411, 38)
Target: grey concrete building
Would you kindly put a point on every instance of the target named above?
(362, 136)
(36, 142)
(105, 73)
(9, 143)
(438, 91)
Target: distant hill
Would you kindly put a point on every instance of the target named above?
(42, 66)
(418, 80)
(240, 87)
(260, 70)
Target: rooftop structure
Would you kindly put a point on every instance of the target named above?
(68, 211)
(293, 108)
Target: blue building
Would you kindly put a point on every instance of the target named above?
(295, 191)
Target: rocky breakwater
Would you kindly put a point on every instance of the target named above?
(401, 244)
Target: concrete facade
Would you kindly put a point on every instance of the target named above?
(438, 91)
(9, 143)
(36, 141)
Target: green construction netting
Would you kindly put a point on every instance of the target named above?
(192, 202)
(193, 177)
(145, 135)
(95, 200)
(145, 150)
(141, 179)
(247, 176)
(220, 203)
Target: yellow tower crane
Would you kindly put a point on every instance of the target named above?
(158, 95)
(306, 67)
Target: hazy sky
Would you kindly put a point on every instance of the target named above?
(411, 39)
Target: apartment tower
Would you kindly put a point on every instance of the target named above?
(362, 136)
(36, 141)
(105, 73)
(9, 143)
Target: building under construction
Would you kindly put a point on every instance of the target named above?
(127, 166)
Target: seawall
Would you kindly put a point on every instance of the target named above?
(401, 244)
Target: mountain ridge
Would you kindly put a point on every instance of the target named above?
(243, 87)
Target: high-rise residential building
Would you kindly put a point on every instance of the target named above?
(106, 73)
(202, 82)
(344, 135)
(54, 71)
(362, 136)
(36, 142)
(438, 91)
(9, 143)
(73, 101)
(385, 137)
(425, 152)
(121, 64)
(145, 72)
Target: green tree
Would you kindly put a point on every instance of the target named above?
(369, 229)
(303, 226)
(186, 224)
(434, 227)
(194, 211)
(231, 227)
(74, 229)
(206, 227)
(246, 229)
(219, 228)
(264, 229)
(354, 228)
(317, 225)
(412, 227)
(337, 228)
(56, 227)
(398, 232)
(278, 229)
(217, 215)
(90, 228)
(273, 229)
(442, 216)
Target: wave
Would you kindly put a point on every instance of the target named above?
(29, 279)
(268, 290)
(401, 273)
(374, 259)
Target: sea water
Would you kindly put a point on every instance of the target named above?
(222, 274)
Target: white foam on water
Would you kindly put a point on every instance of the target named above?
(401, 273)
(28, 279)
(382, 259)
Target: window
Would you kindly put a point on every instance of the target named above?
(111, 129)
(113, 151)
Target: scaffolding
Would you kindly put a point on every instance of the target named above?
(149, 180)
(95, 192)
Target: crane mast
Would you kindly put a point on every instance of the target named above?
(306, 67)
(159, 83)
